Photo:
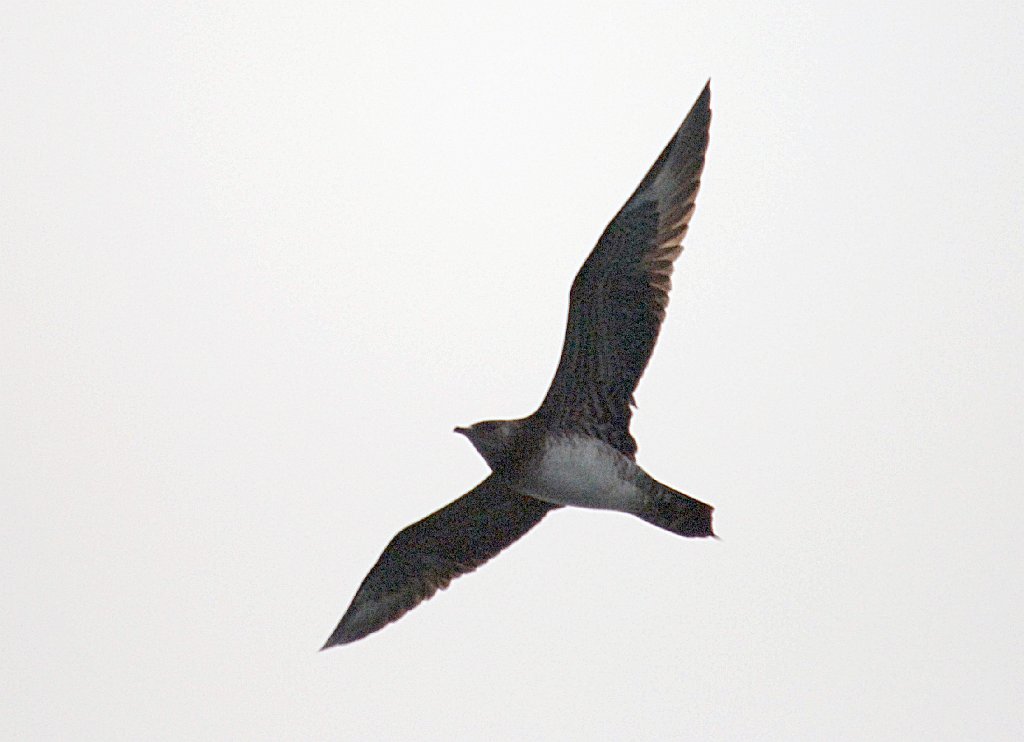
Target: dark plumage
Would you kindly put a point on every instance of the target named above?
(619, 296)
(576, 449)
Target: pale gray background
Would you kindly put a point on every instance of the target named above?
(258, 259)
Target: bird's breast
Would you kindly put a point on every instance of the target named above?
(584, 472)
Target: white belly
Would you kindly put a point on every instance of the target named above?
(586, 473)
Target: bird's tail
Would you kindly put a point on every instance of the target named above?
(676, 512)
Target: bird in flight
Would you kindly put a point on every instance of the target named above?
(576, 448)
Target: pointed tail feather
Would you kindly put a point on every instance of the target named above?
(676, 512)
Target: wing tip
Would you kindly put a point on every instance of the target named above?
(332, 642)
(343, 634)
(700, 112)
(359, 622)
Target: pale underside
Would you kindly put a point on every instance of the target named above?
(584, 472)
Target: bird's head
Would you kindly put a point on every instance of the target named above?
(491, 438)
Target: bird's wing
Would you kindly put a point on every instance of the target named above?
(429, 554)
(618, 298)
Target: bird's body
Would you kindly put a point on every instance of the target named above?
(576, 449)
(584, 472)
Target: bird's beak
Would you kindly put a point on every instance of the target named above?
(461, 431)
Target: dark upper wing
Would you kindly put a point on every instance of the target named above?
(619, 296)
(430, 553)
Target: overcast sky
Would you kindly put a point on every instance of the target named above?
(257, 260)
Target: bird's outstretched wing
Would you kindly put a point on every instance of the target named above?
(619, 296)
(430, 553)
